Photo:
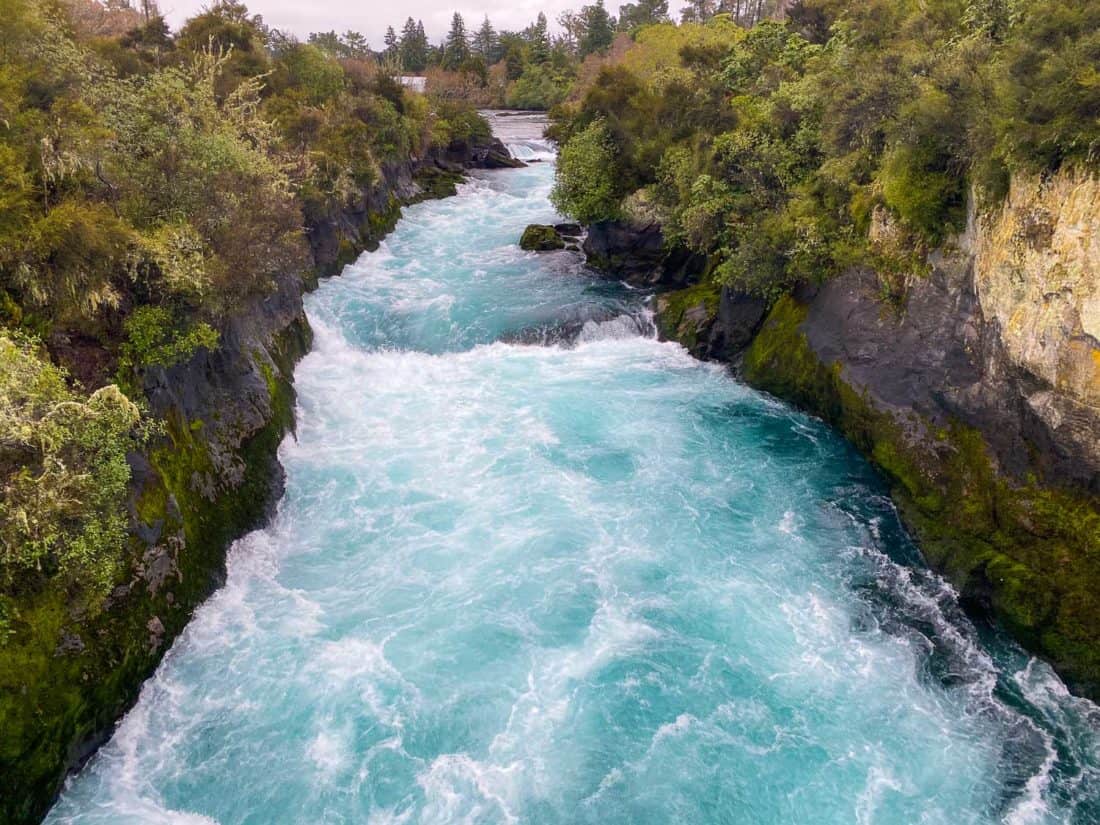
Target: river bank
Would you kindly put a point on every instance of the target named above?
(974, 395)
(212, 477)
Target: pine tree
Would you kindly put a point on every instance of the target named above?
(698, 11)
(456, 49)
(391, 41)
(485, 42)
(643, 13)
(413, 48)
(424, 48)
(599, 29)
(538, 34)
(355, 45)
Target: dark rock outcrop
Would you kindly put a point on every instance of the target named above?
(637, 254)
(714, 323)
(473, 153)
(540, 237)
(338, 232)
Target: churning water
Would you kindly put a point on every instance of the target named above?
(534, 566)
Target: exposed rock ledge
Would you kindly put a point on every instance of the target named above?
(978, 398)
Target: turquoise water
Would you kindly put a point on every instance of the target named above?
(591, 581)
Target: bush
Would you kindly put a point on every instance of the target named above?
(155, 338)
(587, 186)
(540, 87)
(63, 474)
(1048, 85)
(927, 196)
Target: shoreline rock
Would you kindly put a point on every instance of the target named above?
(974, 395)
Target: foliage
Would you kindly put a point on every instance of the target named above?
(154, 338)
(64, 475)
(541, 86)
(149, 187)
(769, 149)
(587, 186)
(1048, 85)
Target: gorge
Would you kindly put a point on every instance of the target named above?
(534, 565)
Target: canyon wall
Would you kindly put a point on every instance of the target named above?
(976, 392)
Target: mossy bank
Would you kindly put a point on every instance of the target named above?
(210, 475)
(973, 391)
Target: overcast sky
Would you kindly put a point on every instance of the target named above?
(371, 17)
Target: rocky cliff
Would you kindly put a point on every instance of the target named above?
(212, 476)
(977, 393)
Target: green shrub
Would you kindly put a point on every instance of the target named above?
(155, 338)
(587, 186)
(928, 197)
(541, 86)
(63, 474)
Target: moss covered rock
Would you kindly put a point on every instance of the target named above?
(541, 238)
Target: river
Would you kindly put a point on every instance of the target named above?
(535, 566)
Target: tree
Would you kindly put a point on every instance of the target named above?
(456, 49)
(698, 11)
(328, 42)
(413, 48)
(486, 42)
(599, 29)
(633, 16)
(391, 42)
(227, 28)
(538, 35)
(587, 182)
(355, 45)
(573, 26)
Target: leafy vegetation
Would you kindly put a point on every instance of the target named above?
(63, 473)
(847, 134)
(527, 69)
(150, 186)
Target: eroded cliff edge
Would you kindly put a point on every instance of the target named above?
(210, 477)
(976, 391)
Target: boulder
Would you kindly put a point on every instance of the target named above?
(541, 238)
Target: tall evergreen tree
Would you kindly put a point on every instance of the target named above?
(538, 35)
(456, 49)
(413, 48)
(391, 41)
(599, 29)
(486, 42)
(355, 45)
(643, 13)
(698, 11)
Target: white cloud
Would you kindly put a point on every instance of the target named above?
(371, 18)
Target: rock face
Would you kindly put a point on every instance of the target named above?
(714, 323)
(1037, 279)
(976, 397)
(338, 232)
(637, 254)
(213, 477)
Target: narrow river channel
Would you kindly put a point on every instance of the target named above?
(535, 566)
